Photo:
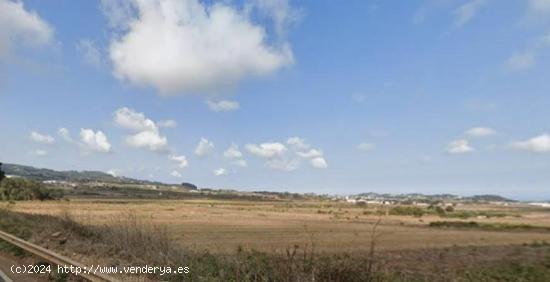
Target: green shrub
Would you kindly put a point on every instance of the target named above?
(19, 189)
(407, 210)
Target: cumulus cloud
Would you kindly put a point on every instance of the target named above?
(65, 135)
(365, 146)
(89, 52)
(520, 61)
(150, 140)
(180, 160)
(279, 157)
(234, 155)
(275, 155)
(41, 138)
(319, 162)
(480, 132)
(460, 146)
(169, 123)
(204, 147)
(175, 173)
(312, 153)
(94, 141)
(220, 172)
(233, 152)
(132, 120)
(297, 143)
(223, 105)
(182, 46)
(145, 131)
(266, 150)
(538, 144)
(19, 26)
(467, 12)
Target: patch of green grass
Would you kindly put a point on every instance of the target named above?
(470, 214)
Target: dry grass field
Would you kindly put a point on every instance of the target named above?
(225, 226)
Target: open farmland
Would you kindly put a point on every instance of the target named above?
(225, 226)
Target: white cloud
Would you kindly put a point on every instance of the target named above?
(366, 146)
(132, 120)
(19, 26)
(233, 152)
(147, 134)
(41, 138)
(266, 150)
(169, 123)
(279, 157)
(64, 133)
(223, 105)
(150, 140)
(180, 160)
(40, 153)
(521, 61)
(89, 52)
(297, 143)
(220, 172)
(189, 46)
(235, 155)
(94, 141)
(460, 146)
(538, 144)
(312, 153)
(480, 132)
(467, 12)
(319, 162)
(204, 147)
(275, 155)
(176, 174)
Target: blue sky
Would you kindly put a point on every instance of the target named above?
(426, 96)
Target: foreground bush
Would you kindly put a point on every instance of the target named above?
(19, 189)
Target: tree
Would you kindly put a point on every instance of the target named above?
(2, 174)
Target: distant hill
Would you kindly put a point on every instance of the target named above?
(488, 198)
(436, 197)
(41, 174)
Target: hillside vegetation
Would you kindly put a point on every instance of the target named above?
(41, 174)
